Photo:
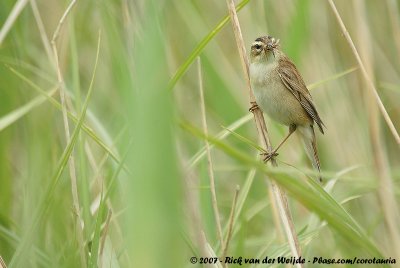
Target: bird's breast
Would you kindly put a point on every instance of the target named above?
(273, 97)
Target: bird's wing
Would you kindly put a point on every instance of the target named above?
(292, 80)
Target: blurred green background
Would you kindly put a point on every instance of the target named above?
(128, 184)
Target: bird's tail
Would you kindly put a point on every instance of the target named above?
(307, 135)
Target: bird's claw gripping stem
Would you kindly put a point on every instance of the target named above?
(269, 156)
(253, 107)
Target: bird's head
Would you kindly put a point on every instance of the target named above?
(263, 47)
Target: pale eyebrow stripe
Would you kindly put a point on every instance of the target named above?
(257, 43)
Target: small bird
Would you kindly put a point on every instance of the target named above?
(280, 92)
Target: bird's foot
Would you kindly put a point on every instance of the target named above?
(253, 107)
(269, 156)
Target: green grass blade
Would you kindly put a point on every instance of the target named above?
(47, 197)
(245, 140)
(93, 260)
(243, 194)
(390, 86)
(199, 48)
(307, 192)
(12, 117)
(57, 105)
(13, 238)
(221, 135)
(331, 78)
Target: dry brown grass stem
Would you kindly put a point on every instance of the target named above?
(71, 163)
(279, 194)
(209, 159)
(104, 235)
(395, 21)
(385, 192)
(18, 7)
(370, 84)
(275, 213)
(2, 263)
(62, 20)
(230, 226)
(42, 30)
(193, 211)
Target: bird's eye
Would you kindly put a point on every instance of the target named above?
(257, 46)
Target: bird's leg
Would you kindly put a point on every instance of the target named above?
(268, 156)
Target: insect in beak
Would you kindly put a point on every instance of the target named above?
(273, 44)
